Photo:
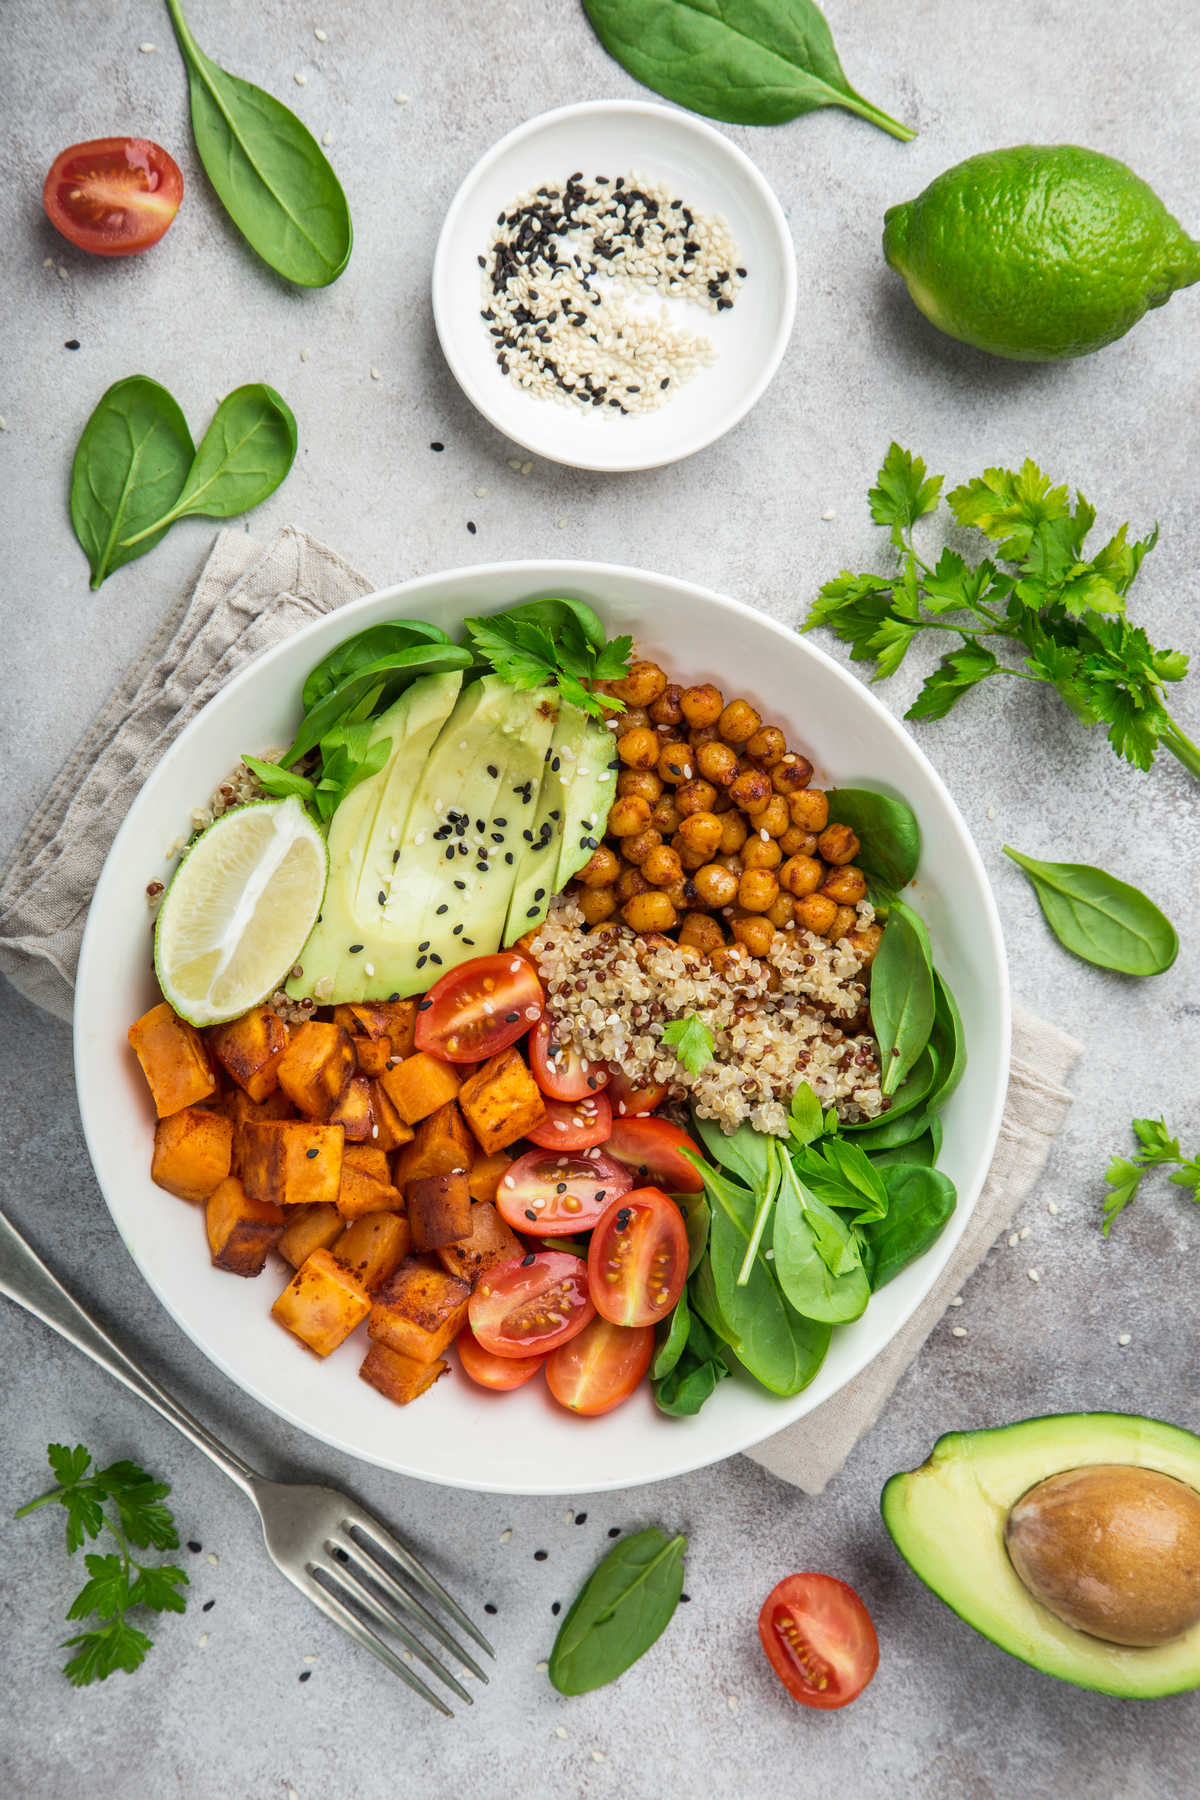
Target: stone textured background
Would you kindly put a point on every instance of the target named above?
(219, 1710)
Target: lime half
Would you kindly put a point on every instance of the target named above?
(238, 910)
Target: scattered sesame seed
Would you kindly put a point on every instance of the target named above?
(400, 99)
(1014, 1240)
(731, 1701)
(1023, 1233)
(959, 1331)
(542, 1666)
(1033, 1274)
(374, 373)
(147, 49)
(1052, 1208)
(214, 1560)
(64, 274)
(489, 1608)
(305, 354)
(310, 1659)
(991, 812)
(300, 78)
(514, 463)
(506, 1534)
(527, 468)
(480, 492)
(438, 448)
(599, 1756)
(561, 1731)
(327, 137)
(321, 36)
(828, 514)
(562, 524)
(202, 1639)
(1125, 1338)
(194, 1547)
(957, 1300)
(471, 527)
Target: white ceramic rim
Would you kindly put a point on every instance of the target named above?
(722, 146)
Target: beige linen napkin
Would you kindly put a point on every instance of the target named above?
(251, 595)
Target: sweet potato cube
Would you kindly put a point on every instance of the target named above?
(396, 1377)
(240, 1230)
(251, 1048)
(393, 1019)
(174, 1060)
(290, 1161)
(322, 1303)
(501, 1101)
(368, 1159)
(374, 1246)
(439, 1209)
(418, 1311)
(442, 1143)
(372, 1055)
(345, 1018)
(361, 1194)
(192, 1151)
(354, 1112)
(309, 1228)
(488, 1243)
(487, 1172)
(420, 1084)
(391, 1131)
(315, 1067)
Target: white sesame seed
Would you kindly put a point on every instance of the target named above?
(959, 1331)
(202, 1639)
(147, 49)
(562, 524)
(527, 468)
(828, 514)
(305, 354)
(599, 1756)
(1023, 1233)
(514, 463)
(560, 1731)
(1033, 1274)
(506, 1534)
(327, 137)
(991, 812)
(400, 99)
(1125, 1338)
(214, 1560)
(321, 36)
(1014, 1240)
(1052, 1208)
(3, 424)
(291, 1793)
(310, 1659)
(374, 373)
(957, 1300)
(731, 1701)
(480, 492)
(300, 78)
(47, 262)
(64, 274)
(542, 1666)
(507, 1182)
(568, 1517)
(368, 969)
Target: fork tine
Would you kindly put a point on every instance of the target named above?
(370, 1565)
(371, 1528)
(362, 1596)
(335, 1609)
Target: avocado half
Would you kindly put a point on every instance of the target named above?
(947, 1520)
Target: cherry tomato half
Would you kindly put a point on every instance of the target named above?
(573, 1124)
(501, 1373)
(600, 1367)
(479, 1008)
(530, 1305)
(653, 1149)
(559, 1070)
(629, 1101)
(113, 196)
(638, 1258)
(819, 1640)
(556, 1194)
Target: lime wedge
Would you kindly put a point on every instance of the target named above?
(238, 910)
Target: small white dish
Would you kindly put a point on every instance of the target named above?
(706, 171)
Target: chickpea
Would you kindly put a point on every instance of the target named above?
(702, 705)
(703, 734)
(671, 734)
(733, 863)
(838, 844)
(716, 886)
(717, 763)
(665, 815)
(866, 941)
(774, 818)
(629, 814)
(676, 764)
(689, 860)
(734, 832)
(730, 960)
(751, 791)
(639, 747)
(738, 722)
(801, 875)
(844, 920)
(637, 848)
(640, 781)
(597, 904)
(845, 884)
(642, 685)
(666, 710)
(649, 912)
(681, 894)
(662, 866)
(761, 853)
(796, 842)
(629, 883)
(701, 831)
(816, 912)
(601, 868)
(701, 931)
(634, 718)
(754, 934)
(791, 773)
(766, 745)
(809, 808)
(757, 890)
(694, 797)
(782, 911)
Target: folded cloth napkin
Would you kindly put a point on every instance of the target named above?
(250, 595)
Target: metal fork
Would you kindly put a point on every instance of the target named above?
(328, 1546)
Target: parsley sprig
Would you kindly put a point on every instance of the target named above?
(117, 1584)
(1124, 1175)
(692, 1042)
(1038, 592)
(553, 642)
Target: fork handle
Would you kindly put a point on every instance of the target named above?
(25, 1278)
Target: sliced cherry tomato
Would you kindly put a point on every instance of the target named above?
(638, 1258)
(629, 1101)
(479, 1008)
(501, 1373)
(113, 196)
(653, 1148)
(573, 1124)
(530, 1305)
(559, 1070)
(555, 1195)
(600, 1367)
(819, 1640)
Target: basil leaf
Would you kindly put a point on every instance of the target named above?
(736, 60)
(901, 997)
(887, 831)
(920, 1203)
(672, 1346)
(371, 646)
(1101, 919)
(269, 172)
(130, 467)
(817, 1260)
(624, 1606)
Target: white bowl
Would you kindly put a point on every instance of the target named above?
(620, 137)
(458, 1434)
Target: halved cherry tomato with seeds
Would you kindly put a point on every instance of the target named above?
(819, 1640)
(600, 1366)
(638, 1258)
(573, 1124)
(113, 196)
(479, 1008)
(629, 1101)
(558, 1069)
(557, 1194)
(654, 1148)
(530, 1305)
(501, 1373)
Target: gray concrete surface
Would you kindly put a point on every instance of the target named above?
(219, 1710)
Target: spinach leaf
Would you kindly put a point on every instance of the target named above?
(893, 1130)
(269, 172)
(780, 1348)
(736, 60)
(901, 997)
(280, 781)
(385, 678)
(243, 457)
(130, 467)
(947, 1041)
(692, 1378)
(702, 1292)
(745, 1152)
(671, 1348)
(887, 830)
(624, 1606)
(924, 1149)
(920, 1202)
(1101, 919)
(696, 1216)
(816, 1257)
(375, 644)
(912, 1092)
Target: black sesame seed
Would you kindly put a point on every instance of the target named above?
(435, 958)
(395, 856)
(685, 1598)
(382, 897)
(560, 1187)
(394, 996)
(493, 771)
(489, 1608)
(421, 961)
(424, 1005)
(194, 1547)
(354, 949)
(527, 1261)
(71, 344)
(470, 941)
(423, 946)
(540, 1555)
(208, 1606)
(457, 932)
(581, 1518)
(530, 1214)
(508, 856)
(305, 1674)
(539, 893)
(436, 446)
(311, 1154)
(614, 1531)
(471, 527)
(461, 886)
(556, 1608)
(442, 909)
(533, 912)
(511, 1018)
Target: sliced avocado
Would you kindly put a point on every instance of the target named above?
(590, 778)
(577, 791)
(948, 1520)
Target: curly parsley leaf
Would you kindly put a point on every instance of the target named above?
(903, 493)
(692, 1042)
(1157, 1149)
(553, 642)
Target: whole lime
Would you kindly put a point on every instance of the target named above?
(1038, 252)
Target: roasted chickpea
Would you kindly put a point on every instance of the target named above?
(629, 883)
(690, 860)
(757, 889)
(640, 781)
(681, 894)
(732, 862)
(716, 886)
(845, 884)
(791, 773)
(751, 791)
(601, 868)
(754, 933)
(651, 911)
(634, 718)
(665, 814)
(701, 931)
(866, 941)
(702, 705)
(701, 831)
(838, 844)
(637, 848)
(694, 797)
(597, 904)
(844, 920)
(766, 745)
(809, 809)
(717, 763)
(639, 747)
(641, 685)
(734, 832)
(761, 853)
(676, 764)
(801, 875)
(662, 866)
(666, 710)
(628, 815)
(796, 842)
(738, 722)
(781, 911)
(703, 734)
(774, 818)
(816, 912)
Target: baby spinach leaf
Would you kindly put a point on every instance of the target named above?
(683, 1385)
(696, 1216)
(817, 1260)
(779, 1347)
(130, 467)
(887, 830)
(384, 678)
(920, 1202)
(372, 646)
(671, 1348)
(269, 172)
(924, 1149)
(911, 1093)
(948, 1042)
(745, 1152)
(893, 1130)
(736, 60)
(1101, 919)
(243, 457)
(902, 998)
(622, 1609)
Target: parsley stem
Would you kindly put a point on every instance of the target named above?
(42, 1500)
(1181, 746)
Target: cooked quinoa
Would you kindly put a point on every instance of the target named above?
(611, 992)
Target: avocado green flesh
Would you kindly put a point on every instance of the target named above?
(576, 787)
(947, 1520)
(590, 778)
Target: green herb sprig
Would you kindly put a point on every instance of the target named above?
(118, 1583)
(692, 1042)
(559, 643)
(1039, 592)
(1124, 1174)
